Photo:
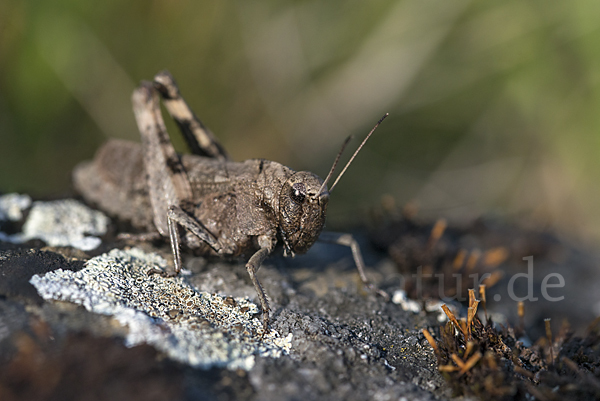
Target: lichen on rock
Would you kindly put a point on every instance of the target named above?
(64, 222)
(12, 206)
(193, 327)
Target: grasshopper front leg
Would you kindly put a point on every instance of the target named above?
(349, 241)
(252, 267)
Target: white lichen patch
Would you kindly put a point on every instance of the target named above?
(13, 205)
(62, 223)
(431, 305)
(400, 298)
(193, 327)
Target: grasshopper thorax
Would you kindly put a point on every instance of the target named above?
(302, 207)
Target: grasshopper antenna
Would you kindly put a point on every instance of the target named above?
(351, 159)
(337, 159)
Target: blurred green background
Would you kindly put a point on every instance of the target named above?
(493, 104)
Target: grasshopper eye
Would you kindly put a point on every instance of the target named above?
(298, 193)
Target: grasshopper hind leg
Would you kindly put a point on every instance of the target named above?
(200, 139)
(168, 184)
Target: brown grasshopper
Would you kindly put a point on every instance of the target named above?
(205, 201)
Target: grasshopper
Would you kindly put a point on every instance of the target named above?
(205, 201)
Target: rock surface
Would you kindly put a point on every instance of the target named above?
(93, 325)
(107, 327)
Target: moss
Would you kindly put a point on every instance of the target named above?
(488, 361)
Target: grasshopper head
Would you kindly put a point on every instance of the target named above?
(303, 201)
(302, 206)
